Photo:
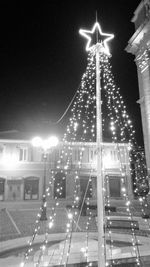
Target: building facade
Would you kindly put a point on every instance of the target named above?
(139, 46)
(22, 170)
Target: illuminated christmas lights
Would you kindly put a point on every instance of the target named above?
(101, 38)
(117, 127)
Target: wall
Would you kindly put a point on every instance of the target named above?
(16, 169)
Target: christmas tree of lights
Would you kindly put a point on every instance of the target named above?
(116, 123)
(116, 127)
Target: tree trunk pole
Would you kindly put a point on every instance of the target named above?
(100, 192)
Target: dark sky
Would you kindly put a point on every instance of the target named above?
(43, 57)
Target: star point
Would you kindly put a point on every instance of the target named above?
(101, 38)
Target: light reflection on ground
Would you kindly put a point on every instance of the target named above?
(77, 253)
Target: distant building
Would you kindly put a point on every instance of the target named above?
(22, 170)
(139, 46)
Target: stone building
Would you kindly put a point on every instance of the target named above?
(22, 170)
(139, 46)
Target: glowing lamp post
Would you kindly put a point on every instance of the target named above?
(45, 145)
(99, 47)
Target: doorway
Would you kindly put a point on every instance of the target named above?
(60, 185)
(114, 186)
(31, 188)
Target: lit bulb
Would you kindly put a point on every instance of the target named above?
(70, 216)
(50, 225)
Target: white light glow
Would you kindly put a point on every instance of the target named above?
(83, 250)
(70, 216)
(52, 141)
(50, 225)
(9, 161)
(87, 34)
(37, 141)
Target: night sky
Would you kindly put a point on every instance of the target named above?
(43, 57)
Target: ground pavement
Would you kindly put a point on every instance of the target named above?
(17, 222)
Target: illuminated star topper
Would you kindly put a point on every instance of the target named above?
(100, 38)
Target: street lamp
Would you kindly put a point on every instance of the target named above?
(44, 144)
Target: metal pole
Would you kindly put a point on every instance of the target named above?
(44, 210)
(100, 204)
(44, 182)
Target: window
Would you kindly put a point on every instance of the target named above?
(114, 186)
(2, 188)
(31, 188)
(18, 188)
(23, 154)
(1, 151)
(10, 188)
(85, 186)
(76, 155)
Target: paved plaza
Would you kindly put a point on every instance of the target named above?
(18, 221)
